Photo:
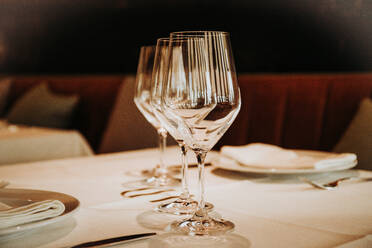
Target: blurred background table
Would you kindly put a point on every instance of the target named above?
(20, 144)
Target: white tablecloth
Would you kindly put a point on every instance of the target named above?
(267, 211)
(19, 144)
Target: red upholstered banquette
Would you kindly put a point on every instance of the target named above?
(97, 96)
(306, 111)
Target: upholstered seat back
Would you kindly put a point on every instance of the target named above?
(127, 128)
(307, 111)
(97, 94)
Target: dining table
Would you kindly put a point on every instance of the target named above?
(24, 143)
(268, 210)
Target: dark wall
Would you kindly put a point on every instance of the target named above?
(104, 36)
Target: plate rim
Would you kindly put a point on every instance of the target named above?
(40, 223)
(249, 169)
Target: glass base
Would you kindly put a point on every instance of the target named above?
(182, 206)
(174, 240)
(150, 172)
(162, 181)
(155, 220)
(154, 182)
(202, 225)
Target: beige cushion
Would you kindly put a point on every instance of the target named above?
(127, 128)
(5, 84)
(41, 107)
(358, 136)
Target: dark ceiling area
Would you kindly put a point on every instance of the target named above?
(103, 37)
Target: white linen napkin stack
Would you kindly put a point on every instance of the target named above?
(28, 213)
(270, 156)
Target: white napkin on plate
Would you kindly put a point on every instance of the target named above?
(28, 213)
(274, 157)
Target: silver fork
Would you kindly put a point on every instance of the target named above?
(333, 184)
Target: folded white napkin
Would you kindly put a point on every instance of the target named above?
(274, 157)
(28, 213)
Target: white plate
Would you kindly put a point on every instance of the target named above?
(19, 197)
(230, 164)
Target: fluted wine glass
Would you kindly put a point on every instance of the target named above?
(160, 176)
(207, 101)
(185, 203)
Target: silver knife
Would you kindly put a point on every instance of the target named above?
(114, 241)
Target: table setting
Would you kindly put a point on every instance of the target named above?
(29, 209)
(261, 205)
(266, 158)
(189, 195)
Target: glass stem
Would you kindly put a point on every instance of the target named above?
(201, 212)
(184, 171)
(161, 169)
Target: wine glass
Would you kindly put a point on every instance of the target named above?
(161, 176)
(207, 101)
(184, 204)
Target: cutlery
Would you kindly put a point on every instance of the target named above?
(114, 241)
(331, 185)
